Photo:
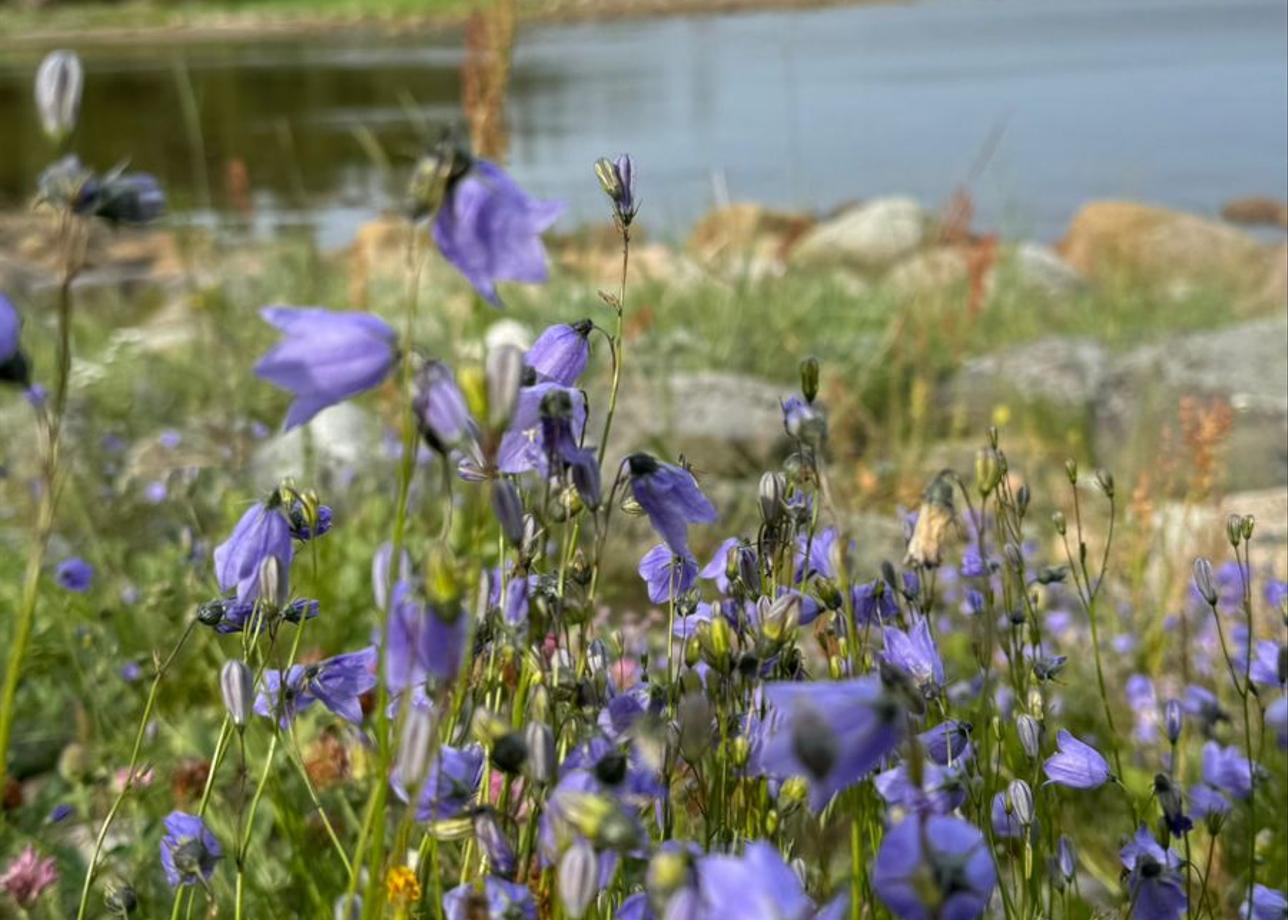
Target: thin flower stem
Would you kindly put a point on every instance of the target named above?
(616, 346)
(131, 770)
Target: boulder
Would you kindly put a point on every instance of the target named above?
(871, 237)
(725, 424)
(1040, 269)
(343, 439)
(930, 273)
(1173, 252)
(1257, 212)
(1059, 374)
(745, 239)
(1243, 367)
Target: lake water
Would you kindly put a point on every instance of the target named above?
(1036, 105)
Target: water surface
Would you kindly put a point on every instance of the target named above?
(1037, 105)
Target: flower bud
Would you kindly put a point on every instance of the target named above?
(347, 907)
(778, 623)
(1066, 858)
(608, 178)
(507, 506)
(694, 715)
(274, 583)
(1249, 525)
(988, 471)
(492, 840)
(1105, 480)
(59, 81)
(542, 760)
(1023, 495)
(1030, 731)
(413, 747)
(716, 639)
(504, 375)
(1173, 720)
(1203, 582)
(1058, 522)
(617, 179)
(1020, 798)
(1071, 470)
(237, 686)
(793, 792)
(809, 378)
(773, 495)
(668, 872)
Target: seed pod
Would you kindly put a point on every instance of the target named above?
(59, 82)
(237, 686)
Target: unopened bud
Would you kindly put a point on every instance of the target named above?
(1030, 731)
(237, 686)
(1066, 858)
(1071, 470)
(988, 471)
(120, 898)
(1105, 479)
(1234, 529)
(274, 584)
(542, 759)
(809, 378)
(578, 879)
(59, 82)
(507, 506)
(773, 497)
(1173, 720)
(504, 375)
(1203, 582)
(1020, 798)
(1058, 522)
(779, 622)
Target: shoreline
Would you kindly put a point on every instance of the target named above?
(269, 25)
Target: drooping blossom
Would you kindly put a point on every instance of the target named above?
(1277, 721)
(442, 415)
(1006, 826)
(1264, 904)
(941, 791)
(1154, 882)
(337, 683)
(1076, 764)
(914, 652)
(948, 742)
(490, 230)
(560, 353)
(13, 363)
(261, 532)
(74, 574)
(667, 575)
(495, 899)
(756, 884)
(27, 877)
(936, 868)
(741, 556)
(670, 497)
(831, 733)
(189, 851)
(1225, 768)
(523, 447)
(325, 357)
(451, 784)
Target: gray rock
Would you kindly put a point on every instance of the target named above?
(871, 237)
(1059, 374)
(1040, 268)
(725, 424)
(343, 439)
(930, 273)
(1243, 366)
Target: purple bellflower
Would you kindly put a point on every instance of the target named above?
(451, 783)
(915, 654)
(189, 851)
(941, 792)
(325, 357)
(1226, 769)
(560, 354)
(948, 742)
(937, 867)
(670, 497)
(13, 363)
(441, 413)
(490, 230)
(1153, 879)
(74, 574)
(338, 683)
(1076, 764)
(263, 531)
(1264, 904)
(499, 900)
(667, 575)
(523, 446)
(834, 734)
(756, 884)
